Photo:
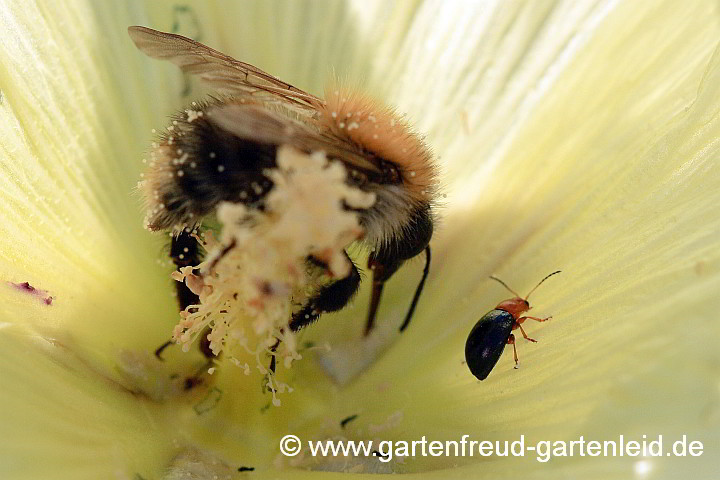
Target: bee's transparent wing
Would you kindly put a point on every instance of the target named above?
(258, 124)
(223, 73)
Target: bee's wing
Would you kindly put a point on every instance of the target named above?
(253, 122)
(220, 71)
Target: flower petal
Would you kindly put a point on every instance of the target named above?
(596, 155)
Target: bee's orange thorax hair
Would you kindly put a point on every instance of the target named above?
(380, 130)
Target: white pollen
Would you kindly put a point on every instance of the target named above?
(212, 154)
(181, 256)
(152, 131)
(353, 126)
(221, 168)
(174, 122)
(193, 164)
(186, 249)
(193, 115)
(180, 173)
(342, 125)
(412, 174)
(348, 115)
(333, 114)
(171, 128)
(179, 151)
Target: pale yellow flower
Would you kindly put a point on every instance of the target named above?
(580, 136)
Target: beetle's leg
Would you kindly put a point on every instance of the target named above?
(511, 341)
(517, 325)
(522, 319)
(184, 252)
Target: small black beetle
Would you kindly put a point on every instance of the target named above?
(493, 331)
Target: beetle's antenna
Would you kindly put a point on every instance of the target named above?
(541, 281)
(505, 285)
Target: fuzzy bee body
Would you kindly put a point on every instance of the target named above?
(220, 150)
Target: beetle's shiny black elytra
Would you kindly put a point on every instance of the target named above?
(487, 339)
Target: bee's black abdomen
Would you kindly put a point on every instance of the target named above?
(486, 342)
(227, 168)
(203, 165)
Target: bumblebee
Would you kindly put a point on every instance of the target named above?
(218, 151)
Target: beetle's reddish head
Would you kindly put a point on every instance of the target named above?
(517, 306)
(514, 306)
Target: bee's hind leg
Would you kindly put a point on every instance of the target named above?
(184, 252)
(330, 298)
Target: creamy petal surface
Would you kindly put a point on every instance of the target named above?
(580, 136)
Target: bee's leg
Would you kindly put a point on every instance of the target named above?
(382, 270)
(383, 267)
(418, 290)
(198, 378)
(184, 251)
(273, 349)
(330, 298)
(161, 348)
